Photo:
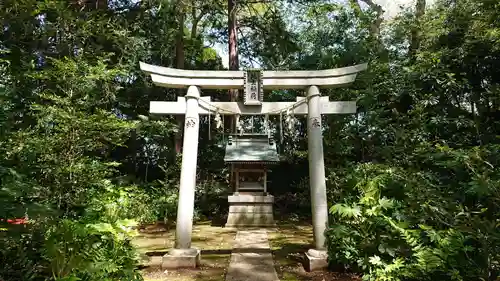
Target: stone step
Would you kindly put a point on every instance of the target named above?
(250, 219)
(251, 259)
(247, 198)
(268, 208)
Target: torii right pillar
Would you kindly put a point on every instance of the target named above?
(317, 258)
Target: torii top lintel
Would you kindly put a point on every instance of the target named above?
(221, 79)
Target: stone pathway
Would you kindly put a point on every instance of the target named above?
(251, 258)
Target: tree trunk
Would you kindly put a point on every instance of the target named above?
(233, 43)
(415, 32)
(101, 4)
(233, 63)
(180, 64)
(179, 41)
(375, 26)
(196, 18)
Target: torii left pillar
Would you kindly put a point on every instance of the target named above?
(183, 255)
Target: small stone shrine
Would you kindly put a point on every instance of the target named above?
(249, 155)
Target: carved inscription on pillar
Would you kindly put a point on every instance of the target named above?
(190, 122)
(316, 122)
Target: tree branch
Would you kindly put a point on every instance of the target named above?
(375, 26)
(415, 32)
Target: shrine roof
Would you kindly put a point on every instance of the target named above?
(251, 148)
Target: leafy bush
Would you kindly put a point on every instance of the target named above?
(20, 254)
(127, 202)
(55, 172)
(433, 219)
(100, 251)
(211, 199)
(69, 250)
(296, 205)
(164, 203)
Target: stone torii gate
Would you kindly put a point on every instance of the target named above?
(254, 82)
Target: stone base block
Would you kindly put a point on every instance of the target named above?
(181, 258)
(250, 199)
(249, 210)
(315, 260)
(250, 220)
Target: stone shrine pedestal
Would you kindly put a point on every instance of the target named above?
(250, 209)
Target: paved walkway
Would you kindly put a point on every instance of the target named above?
(251, 258)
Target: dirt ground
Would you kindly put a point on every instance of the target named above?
(288, 243)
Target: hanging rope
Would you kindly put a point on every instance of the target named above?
(212, 108)
(222, 110)
(239, 127)
(281, 127)
(266, 125)
(251, 122)
(223, 131)
(209, 127)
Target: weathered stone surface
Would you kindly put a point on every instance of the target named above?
(247, 198)
(317, 179)
(318, 253)
(183, 258)
(267, 208)
(251, 259)
(178, 78)
(315, 260)
(246, 210)
(184, 252)
(185, 204)
(250, 220)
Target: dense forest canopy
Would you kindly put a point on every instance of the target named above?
(413, 176)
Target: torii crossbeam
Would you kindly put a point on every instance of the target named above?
(239, 108)
(254, 84)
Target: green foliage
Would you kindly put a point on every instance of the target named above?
(76, 161)
(123, 203)
(412, 177)
(99, 251)
(20, 254)
(409, 224)
(57, 174)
